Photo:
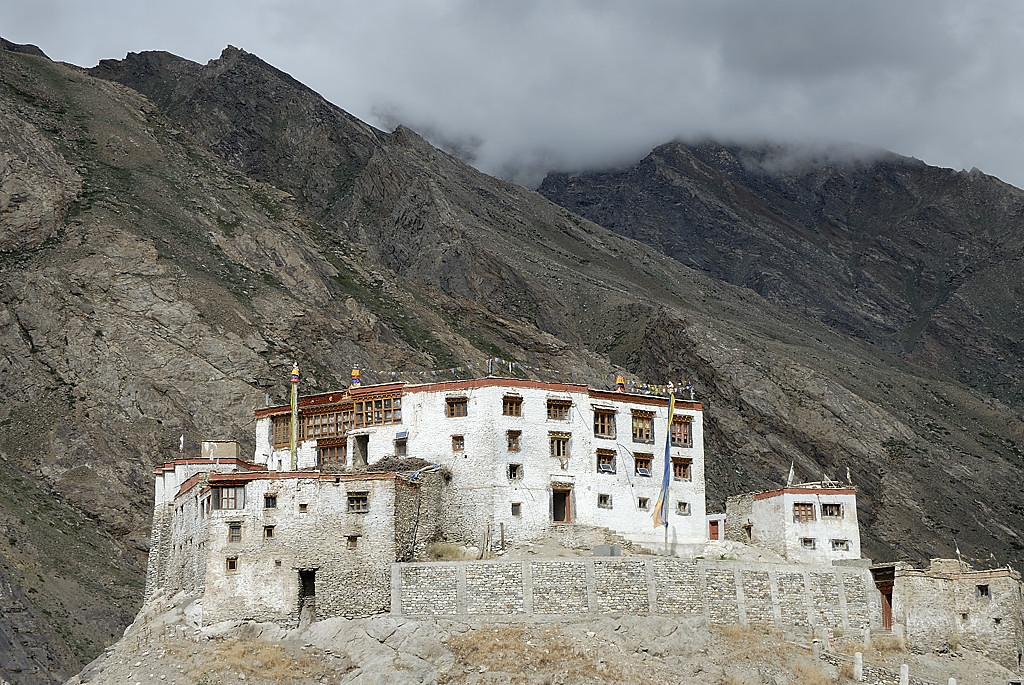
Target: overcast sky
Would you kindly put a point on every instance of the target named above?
(523, 85)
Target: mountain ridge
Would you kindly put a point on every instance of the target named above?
(170, 290)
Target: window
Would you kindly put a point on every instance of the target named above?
(400, 447)
(807, 543)
(606, 461)
(643, 426)
(326, 425)
(268, 532)
(515, 471)
(683, 508)
(803, 511)
(281, 430)
(558, 410)
(513, 440)
(377, 411)
(982, 592)
(270, 501)
(352, 541)
(456, 407)
(682, 436)
(643, 464)
(303, 508)
(331, 454)
(234, 532)
(832, 511)
(231, 497)
(512, 405)
(604, 501)
(231, 564)
(559, 445)
(604, 423)
(643, 503)
(359, 503)
(840, 545)
(517, 508)
(681, 469)
(458, 443)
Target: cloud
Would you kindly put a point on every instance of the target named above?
(519, 88)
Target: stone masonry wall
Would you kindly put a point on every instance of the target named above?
(795, 598)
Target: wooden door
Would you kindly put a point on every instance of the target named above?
(713, 530)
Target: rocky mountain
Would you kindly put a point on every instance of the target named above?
(175, 234)
(921, 262)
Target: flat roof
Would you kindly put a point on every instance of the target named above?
(326, 399)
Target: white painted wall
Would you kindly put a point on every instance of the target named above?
(775, 529)
(481, 492)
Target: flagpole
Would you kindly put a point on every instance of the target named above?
(295, 415)
(660, 513)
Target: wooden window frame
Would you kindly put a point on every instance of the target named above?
(231, 564)
(358, 502)
(458, 443)
(281, 430)
(559, 443)
(681, 431)
(606, 457)
(803, 512)
(515, 471)
(268, 532)
(270, 501)
(514, 437)
(828, 507)
(604, 423)
(643, 426)
(332, 454)
(558, 410)
(682, 469)
(234, 532)
(230, 497)
(512, 405)
(456, 407)
(377, 411)
(643, 461)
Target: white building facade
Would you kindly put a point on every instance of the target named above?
(807, 523)
(523, 455)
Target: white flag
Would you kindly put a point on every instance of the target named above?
(181, 444)
(789, 481)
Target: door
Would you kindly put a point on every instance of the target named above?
(886, 592)
(362, 450)
(560, 508)
(713, 530)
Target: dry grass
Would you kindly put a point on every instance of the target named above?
(751, 643)
(533, 654)
(809, 673)
(260, 662)
(444, 551)
(888, 644)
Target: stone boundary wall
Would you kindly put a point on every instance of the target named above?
(787, 597)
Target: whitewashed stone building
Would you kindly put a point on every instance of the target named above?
(513, 460)
(523, 455)
(950, 605)
(806, 523)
